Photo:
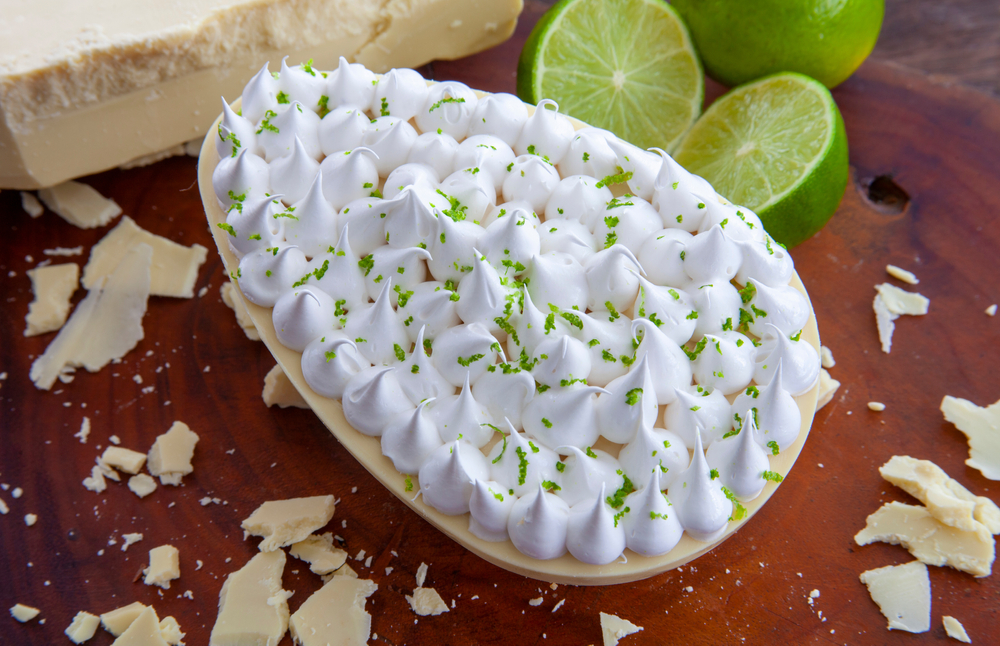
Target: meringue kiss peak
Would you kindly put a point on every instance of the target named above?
(565, 351)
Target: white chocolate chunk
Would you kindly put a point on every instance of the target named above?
(23, 613)
(171, 631)
(991, 310)
(928, 539)
(426, 602)
(252, 608)
(30, 519)
(174, 268)
(899, 301)
(31, 205)
(283, 522)
(421, 574)
(235, 302)
(80, 204)
(318, 551)
(955, 629)
(945, 498)
(84, 431)
(164, 566)
(142, 485)
(279, 391)
(53, 286)
(118, 620)
(903, 594)
(827, 388)
(826, 357)
(170, 456)
(884, 320)
(878, 407)
(83, 627)
(982, 428)
(4, 509)
(335, 614)
(614, 628)
(130, 539)
(95, 481)
(144, 631)
(123, 459)
(105, 325)
(901, 274)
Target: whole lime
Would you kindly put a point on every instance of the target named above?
(742, 40)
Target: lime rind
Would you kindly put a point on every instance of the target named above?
(777, 146)
(628, 66)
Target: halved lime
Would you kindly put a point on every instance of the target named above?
(624, 65)
(776, 146)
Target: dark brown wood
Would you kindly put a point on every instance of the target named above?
(940, 144)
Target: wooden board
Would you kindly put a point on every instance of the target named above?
(941, 144)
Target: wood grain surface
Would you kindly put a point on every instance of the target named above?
(940, 144)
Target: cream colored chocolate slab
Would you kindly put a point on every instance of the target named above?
(368, 450)
(90, 85)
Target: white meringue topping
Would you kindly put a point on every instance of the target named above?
(461, 417)
(697, 408)
(609, 339)
(349, 176)
(259, 95)
(255, 224)
(409, 438)
(612, 278)
(431, 307)
(585, 473)
(668, 365)
(643, 165)
(567, 236)
(453, 248)
(448, 107)
(435, 150)
(558, 279)
(266, 274)
(471, 195)
(562, 417)
(329, 362)
(680, 197)
(301, 315)
(518, 463)
(538, 523)
(660, 256)
(589, 154)
(546, 133)
(628, 220)
(740, 462)
(489, 509)
(487, 153)
(372, 398)
(365, 218)
(562, 362)
(651, 527)
(379, 335)
(504, 390)
(630, 403)
(717, 304)
(532, 180)
(400, 93)
(654, 450)
(767, 262)
(464, 351)
(725, 363)
(701, 506)
(448, 475)
(237, 178)
(669, 309)
(302, 84)
(276, 133)
(775, 414)
(510, 242)
(594, 534)
(410, 174)
(314, 228)
(783, 307)
(405, 267)
(342, 129)
(418, 376)
(351, 84)
(500, 115)
(579, 198)
(391, 138)
(798, 359)
(235, 133)
(293, 174)
(482, 298)
(712, 256)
